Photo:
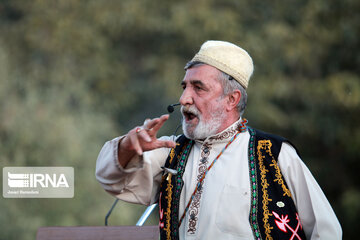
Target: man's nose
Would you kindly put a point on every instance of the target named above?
(186, 98)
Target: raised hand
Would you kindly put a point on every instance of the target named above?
(143, 138)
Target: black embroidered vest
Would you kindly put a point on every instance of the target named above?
(170, 189)
(272, 215)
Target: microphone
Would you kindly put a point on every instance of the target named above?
(170, 108)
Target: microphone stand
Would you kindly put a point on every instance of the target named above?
(110, 211)
(146, 214)
(141, 220)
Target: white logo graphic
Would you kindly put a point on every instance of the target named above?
(19, 180)
(38, 182)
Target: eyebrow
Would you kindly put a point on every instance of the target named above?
(193, 82)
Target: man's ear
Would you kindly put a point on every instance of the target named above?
(233, 100)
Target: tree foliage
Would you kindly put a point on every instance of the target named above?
(77, 73)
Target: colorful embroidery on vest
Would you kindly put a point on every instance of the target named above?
(161, 213)
(171, 188)
(254, 186)
(168, 210)
(178, 186)
(172, 155)
(279, 178)
(269, 199)
(282, 224)
(264, 145)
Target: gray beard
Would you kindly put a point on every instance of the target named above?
(204, 129)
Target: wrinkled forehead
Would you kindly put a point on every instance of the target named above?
(203, 76)
(202, 72)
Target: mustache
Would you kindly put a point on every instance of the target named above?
(190, 109)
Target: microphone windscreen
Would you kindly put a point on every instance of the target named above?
(170, 108)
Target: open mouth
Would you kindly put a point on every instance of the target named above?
(189, 114)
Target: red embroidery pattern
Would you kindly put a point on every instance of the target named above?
(161, 214)
(283, 226)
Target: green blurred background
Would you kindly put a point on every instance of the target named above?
(75, 74)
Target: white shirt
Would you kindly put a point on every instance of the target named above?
(222, 209)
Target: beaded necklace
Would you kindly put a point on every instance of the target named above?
(198, 186)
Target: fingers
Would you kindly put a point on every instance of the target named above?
(149, 124)
(167, 144)
(135, 142)
(160, 123)
(144, 138)
(140, 148)
(137, 136)
(143, 134)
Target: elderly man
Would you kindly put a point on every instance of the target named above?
(222, 179)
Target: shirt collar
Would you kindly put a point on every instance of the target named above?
(223, 136)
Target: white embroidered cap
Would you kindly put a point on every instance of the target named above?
(228, 58)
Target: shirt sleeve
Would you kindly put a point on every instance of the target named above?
(317, 217)
(139, 181)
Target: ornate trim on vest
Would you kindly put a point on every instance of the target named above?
(273, 213)
(270, 196)
(170, 189)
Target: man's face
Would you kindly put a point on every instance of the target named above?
(203, 103)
